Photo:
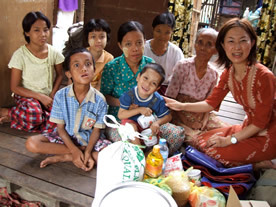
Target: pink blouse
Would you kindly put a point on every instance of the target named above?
(185, 80)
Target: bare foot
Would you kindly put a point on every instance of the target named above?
(55, 159)
(4, 115)
(267, 164)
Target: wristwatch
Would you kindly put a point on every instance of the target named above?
(234, 140)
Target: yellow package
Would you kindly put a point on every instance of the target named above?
(206, 196)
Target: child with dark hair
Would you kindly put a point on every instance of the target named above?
(97, 35)
(78, 111)
(36, 75)
(160, 49)
(147, 100)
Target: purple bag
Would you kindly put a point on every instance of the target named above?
(202, 159)
(215, 175)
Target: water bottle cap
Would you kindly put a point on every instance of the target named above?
(162, 141)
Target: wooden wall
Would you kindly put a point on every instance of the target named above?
(116, 12)
(11, 35)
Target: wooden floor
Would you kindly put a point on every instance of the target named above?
(63, 181)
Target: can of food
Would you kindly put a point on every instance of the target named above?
(149, 138)
(195, 176)
(134, 194)
(146, 121)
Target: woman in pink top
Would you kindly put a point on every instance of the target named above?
(192, 81)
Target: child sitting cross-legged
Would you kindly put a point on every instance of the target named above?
(78, 110)
(144, 99)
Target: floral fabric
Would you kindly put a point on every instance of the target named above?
(266, 42)
(182, 9)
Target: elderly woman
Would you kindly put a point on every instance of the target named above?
(252, 86)
(161, 49)
(193, 80)
(120, 74)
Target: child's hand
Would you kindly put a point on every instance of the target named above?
(88, 161)
(155, 128)
(78, 158)
(145, 111)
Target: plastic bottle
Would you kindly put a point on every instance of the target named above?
(154, 162)
(164, 150)
(246, 13)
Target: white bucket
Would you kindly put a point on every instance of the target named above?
(195, 176)
(149, 139)
(135, 194)
(146, 121)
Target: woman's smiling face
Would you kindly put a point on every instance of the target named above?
(237, 45)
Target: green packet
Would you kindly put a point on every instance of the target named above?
(160, 182)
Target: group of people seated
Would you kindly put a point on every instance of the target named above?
(150, 77)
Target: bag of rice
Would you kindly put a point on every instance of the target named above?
(180, 185)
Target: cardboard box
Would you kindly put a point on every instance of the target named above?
(233, 201)
(251, 203)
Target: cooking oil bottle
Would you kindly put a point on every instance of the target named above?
(154, 162)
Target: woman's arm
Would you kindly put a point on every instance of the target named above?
(201, 106)
(58, 79)
(112, 101)
(219, 141)
(16, 87)
(247, 132)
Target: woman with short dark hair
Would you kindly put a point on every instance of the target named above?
(161, 49)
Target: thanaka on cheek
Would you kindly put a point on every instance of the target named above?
(91, 42)
(143, 48)
(125, 51)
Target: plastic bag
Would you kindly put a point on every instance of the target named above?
(206, 196)
(160, 182)
(119, 162)
(173, 163)
(180, 185)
